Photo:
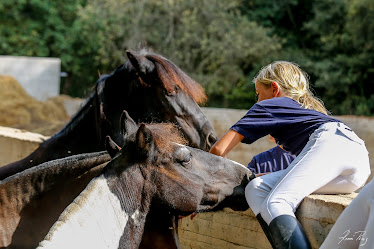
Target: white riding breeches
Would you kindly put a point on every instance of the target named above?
(334, 161)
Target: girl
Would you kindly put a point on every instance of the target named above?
(330, 158)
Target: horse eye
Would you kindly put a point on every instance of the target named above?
(172, 93)
(187, 160)
(183, 156)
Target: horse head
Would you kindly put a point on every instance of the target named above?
(153, 89)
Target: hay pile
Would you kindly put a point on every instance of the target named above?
(20, 110)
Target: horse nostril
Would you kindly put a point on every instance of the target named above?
(210, 200)
(211, 139)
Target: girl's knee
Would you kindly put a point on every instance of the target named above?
(252, 187)
(271, 209)
(253, 196)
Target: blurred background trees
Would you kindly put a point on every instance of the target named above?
(220, 43)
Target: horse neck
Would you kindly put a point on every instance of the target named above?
(135, 192)
(80, 130)
(102, 216)
(78, 136)
(26, 192)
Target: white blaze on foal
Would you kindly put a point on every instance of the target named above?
(94, 220)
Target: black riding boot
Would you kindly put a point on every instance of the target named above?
(265, 228)
(287, 233)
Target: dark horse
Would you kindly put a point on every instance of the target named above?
(152, 172)
(151, 88)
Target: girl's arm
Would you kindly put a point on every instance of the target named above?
(226, 143)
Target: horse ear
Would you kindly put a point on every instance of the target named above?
(140, 62)
(111, 146)
(144, 140)
(127, 124)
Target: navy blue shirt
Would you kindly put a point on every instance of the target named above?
(271, 160)
(284, 119)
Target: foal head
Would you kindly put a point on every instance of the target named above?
(153, 89)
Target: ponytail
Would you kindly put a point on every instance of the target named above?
(310, 101)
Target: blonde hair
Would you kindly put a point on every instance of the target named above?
(292, 81)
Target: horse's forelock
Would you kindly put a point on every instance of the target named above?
(171, 75)
(165, 134)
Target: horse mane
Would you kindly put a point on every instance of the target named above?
(171, 75)
(165, 134)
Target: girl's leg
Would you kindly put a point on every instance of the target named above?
(256, 192)
(259, 188)
(355, 226)
(328, 154)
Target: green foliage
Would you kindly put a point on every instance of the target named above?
(222, 44)
(36, 27)
(214, 43)
(343, 64)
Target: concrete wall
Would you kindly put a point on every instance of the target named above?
(16, 144)
(40, 77)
